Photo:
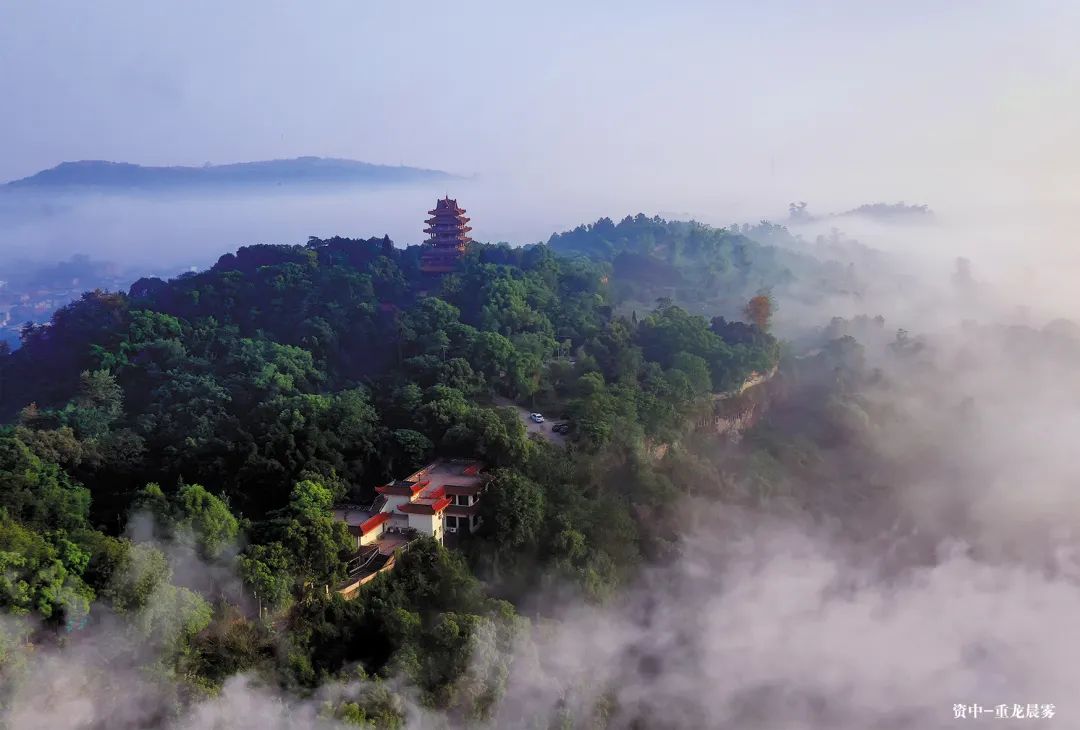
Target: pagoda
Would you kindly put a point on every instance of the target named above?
(448, 237)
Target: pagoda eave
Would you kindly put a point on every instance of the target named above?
(456, 233)
(448, 238)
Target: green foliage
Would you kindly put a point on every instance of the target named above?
(230, 645)
(412, 449)
(513, 510)
(36, 492)
(319, 543)
(239, 404)
(208, 517)
(41, 574)
(496, 434)
(268, 569)
(137, 578)
(383, 714)
(173, 617)
(427, 621)
(697, 265)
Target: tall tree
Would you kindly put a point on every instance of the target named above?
(759, 310)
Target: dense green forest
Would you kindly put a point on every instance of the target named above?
(222, 414)
(710, 271)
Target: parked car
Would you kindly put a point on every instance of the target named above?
(561, 428)
(536, 417)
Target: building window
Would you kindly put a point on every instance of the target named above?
(463, 500)
(451, 522)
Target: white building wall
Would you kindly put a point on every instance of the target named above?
(373, 535)
(427, 525)
(393, 501)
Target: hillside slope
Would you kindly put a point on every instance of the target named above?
(294, 172)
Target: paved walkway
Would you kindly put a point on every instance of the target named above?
(541, 430)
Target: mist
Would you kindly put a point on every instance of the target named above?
(933, 561)
(559, 111)
(931, 564)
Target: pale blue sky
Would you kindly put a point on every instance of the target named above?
(766, 100)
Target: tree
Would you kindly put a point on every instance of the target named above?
(497, 434)
(208, 518)
(42, 575)
(173, 618)
(97, 406)
(134, 574)
(38, 492)
(797, 212)
(319, 543)
(412, 449)
(696, 370)
(513, 509)
(759, 310)
(268, 570)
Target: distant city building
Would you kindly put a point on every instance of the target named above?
(448, 237)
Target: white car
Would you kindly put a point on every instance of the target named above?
(536, 417)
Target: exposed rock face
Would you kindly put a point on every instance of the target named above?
(657, 451)
(736, 411)
(732, 412)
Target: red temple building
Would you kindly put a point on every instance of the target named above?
(439, 501)
(448, 237)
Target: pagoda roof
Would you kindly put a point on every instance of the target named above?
(444, 219)
(432, 267)
(447, 205)
(459, 230)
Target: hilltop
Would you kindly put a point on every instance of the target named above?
(242, 403)
(102, 174)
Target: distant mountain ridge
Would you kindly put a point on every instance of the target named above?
(103, 174)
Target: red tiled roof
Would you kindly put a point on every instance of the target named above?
(469, 489)
(423, 508)
(436, 493)
(373, 522)
(401, 489)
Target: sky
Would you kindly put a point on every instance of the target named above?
(691, 102)
(560, 112)
(565, 111)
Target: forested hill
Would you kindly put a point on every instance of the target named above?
(331, 329)
(105, 175)
(236, 405)
(702, 268)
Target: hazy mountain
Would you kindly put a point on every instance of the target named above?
(100, 174)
